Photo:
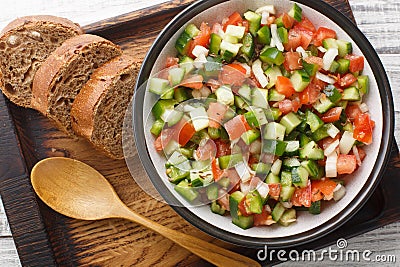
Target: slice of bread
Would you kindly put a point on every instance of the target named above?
(60, 78)
(99, 109)
(24, 44)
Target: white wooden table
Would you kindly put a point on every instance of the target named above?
(378, 19)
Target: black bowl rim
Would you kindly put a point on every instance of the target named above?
(295, 240)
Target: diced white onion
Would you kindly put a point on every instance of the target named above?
(329, 57)
(333, 131)
(303, 52)
(355, 152)
(322, 49)
(364, 107)
(276, 167)
(245, 187)
(188, 108)
(331, 148)
(259, 73)
(268, 8)
(275, 37)
(199, 61)
(243, 172)
(198, 50)
(330, 166)
(339, 192)
(263, 189)
(287, 204)
(346, 142)
(264, 18)
(325, 78)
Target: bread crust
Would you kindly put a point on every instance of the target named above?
(47, 74)
(88, 100)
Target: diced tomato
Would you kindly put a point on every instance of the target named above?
(216, 112)
(363, 126)
(294, 40)
(306, 38)
(306, 24)
(233, 74)
(185, 132)
(223, 199)
(302, 196)
(361, 153)
(353, 111)
(315, 60)
(347, 80)
(322, 34)
(346, 164)
(216, 171)
(274, 190)
(296, 104)
(321, 188)
(263, 219)
(236, 127)
(171, 61)
(324, 143)
(287, 20)
(194, 82)
(270, 20)
(223, 148)
(206, 150)
(309, 95)
(356, 62)
(243, 209)
(234, 19)
(203, 38)
(299, 37)
(286, 106)
(332, 115)
(164, 138)
(292, 61)
(318, 83)
(216, 28)
(284, 86)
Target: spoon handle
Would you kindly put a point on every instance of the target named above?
(205, 250)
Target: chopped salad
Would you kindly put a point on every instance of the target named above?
(261, 115)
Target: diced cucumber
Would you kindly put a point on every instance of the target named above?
(272, 179)
(214, 133)
(215, 43)
(310, 68)
(283, 35)
(244, 222)
(363, 84)
(176, 158)
(315, 207)
(311, 151)
(234, 200)
(180, 94)
(329, 43)
(275, 147)
(198, 182)
(260, 116)
(158, 86)
(224, 182)
(189, 193)
(276, 167)
(161, 106)
(175, 75)
(239, 102)
(250, 136)
(251, 119)
(272, 74)
(315, 171)
(157, 127)
(230, 39)
(300, 176)
(313, 120)
(334, 66)
(321, 133)
(274, 131)
(290, 121)
(344, 65)
(212, 191)
(296, 12)
(245, 92)
(176, 175)
(292, 148)
(172, 116)
(272, 55)
(229, 160)
(199, 118)
(260, 98)
(275, 113)
(186, 63)
(227, 55)
(304, 139)
(300, 80)
(286, 178)
(332, 93)
(290, 163)
(323, 104)
(254, 202)
(351, 94)
(192, 30)
(248, 47)
(261, 168)
(216, 208)
(171, 147)
(224, 95)
(254, 21)
(233, 48)
(344, 47)
(288, 217)
(235, 31)
(264, 35)
(277, 212)
(275, 96)
(182, 43)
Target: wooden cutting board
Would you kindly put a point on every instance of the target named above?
(46, 238)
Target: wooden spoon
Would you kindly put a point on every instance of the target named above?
(76, 190)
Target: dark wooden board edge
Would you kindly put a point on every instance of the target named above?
(33, 244)
(20, 203)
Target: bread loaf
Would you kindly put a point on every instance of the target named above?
(99, 109)
(61, 77)
(24, 44)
